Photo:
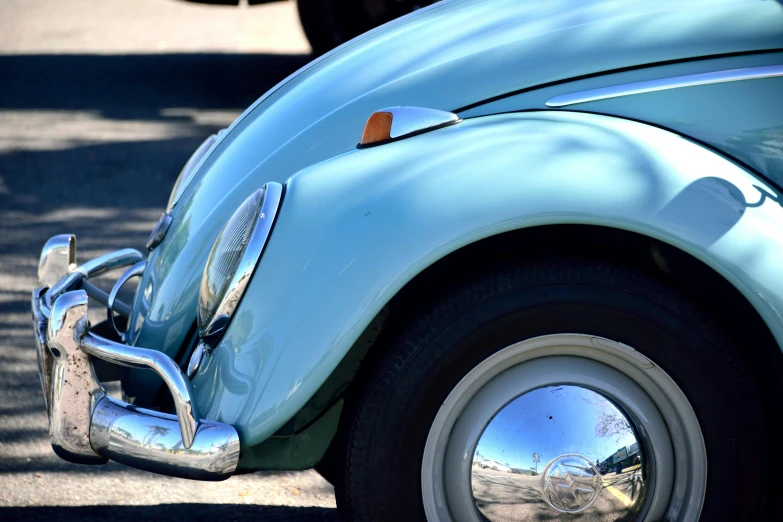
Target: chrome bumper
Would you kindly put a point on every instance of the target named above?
(85, 424)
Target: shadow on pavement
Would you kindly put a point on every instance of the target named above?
(92, 144)
(139, 86)
(169, 512)
(87, 132)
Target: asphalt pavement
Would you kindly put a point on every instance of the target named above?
(101, 103)
(509, 497)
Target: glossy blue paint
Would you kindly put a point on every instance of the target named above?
(742, 119)
(448, 56)
(355, 229)
(292, 329)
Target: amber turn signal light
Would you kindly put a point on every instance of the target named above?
(395, 123)
(377, 128)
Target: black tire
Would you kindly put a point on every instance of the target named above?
(329, 23)
(394, 400)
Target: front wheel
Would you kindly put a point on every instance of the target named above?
(559, 370)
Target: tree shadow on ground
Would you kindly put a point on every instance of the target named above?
(140, 86)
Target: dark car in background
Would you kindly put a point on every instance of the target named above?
(329, 23)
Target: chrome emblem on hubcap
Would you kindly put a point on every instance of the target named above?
(571, 483)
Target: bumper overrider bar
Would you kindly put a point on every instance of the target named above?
(85, 424)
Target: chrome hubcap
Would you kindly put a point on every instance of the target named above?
(565, 423)
(563, 448)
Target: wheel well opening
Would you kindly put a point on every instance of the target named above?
(702, 285)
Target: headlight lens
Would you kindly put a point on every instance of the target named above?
(233, 260)
(187, 172)
(225, 256)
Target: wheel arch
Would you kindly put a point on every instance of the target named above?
(695, 278)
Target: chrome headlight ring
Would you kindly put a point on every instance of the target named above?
(190, 168)
(231, 264)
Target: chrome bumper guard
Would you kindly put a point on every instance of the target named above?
(85, 424)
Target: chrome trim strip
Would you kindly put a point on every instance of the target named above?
(135, 271)
(662, 84)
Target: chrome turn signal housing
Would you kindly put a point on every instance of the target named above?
(396, 123)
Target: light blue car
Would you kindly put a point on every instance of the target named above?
(530, 232)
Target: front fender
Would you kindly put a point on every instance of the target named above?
(355, 229)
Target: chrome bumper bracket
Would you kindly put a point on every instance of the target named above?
(75, 387)
(87, 426)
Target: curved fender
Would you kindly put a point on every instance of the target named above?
(354, 230)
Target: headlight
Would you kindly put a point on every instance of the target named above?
(233, 260)
(187, 172)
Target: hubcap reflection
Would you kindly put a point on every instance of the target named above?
(565, 449)
(571, 483)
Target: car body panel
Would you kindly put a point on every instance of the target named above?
(446, 56)
(355, 229)
(742, 119)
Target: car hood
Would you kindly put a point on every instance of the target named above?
(450, 55)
